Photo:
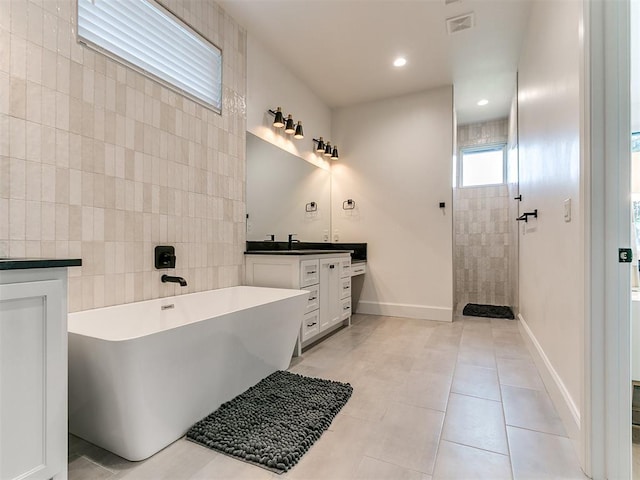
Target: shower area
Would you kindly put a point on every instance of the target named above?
(485, 232)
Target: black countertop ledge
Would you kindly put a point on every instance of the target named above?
(27, 263)
(358, 250)
(296, 252)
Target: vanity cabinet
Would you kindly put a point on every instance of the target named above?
(33, 370)
(327, 278)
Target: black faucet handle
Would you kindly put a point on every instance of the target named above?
(165, 257)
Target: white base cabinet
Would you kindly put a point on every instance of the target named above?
(33, 374)
(327, 278)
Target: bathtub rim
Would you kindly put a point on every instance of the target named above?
(73, 322)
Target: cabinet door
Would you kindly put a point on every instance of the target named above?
(33, 380)
(329, 292)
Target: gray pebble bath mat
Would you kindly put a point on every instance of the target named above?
(274, 422)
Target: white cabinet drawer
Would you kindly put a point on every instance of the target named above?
(309, 272)
(313, 301)
(345, 306)
(310, 326)
(358, 269)
(345, 268)
(345, 287)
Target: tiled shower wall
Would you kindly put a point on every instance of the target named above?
(98, 161)
(481, 229)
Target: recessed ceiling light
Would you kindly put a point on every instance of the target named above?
(483, 102)
(400, 62)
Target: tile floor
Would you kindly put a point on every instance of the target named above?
(431, 401)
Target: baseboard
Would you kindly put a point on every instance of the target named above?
(565, 406)
(423, 312)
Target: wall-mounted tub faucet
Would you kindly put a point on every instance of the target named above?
(169, 278)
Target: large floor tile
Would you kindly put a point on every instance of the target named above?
(223, 467)
(459, 462)
(338, 452)
(531, 409)
(435, 361)
(181, 459)
(99, 456)
(480, 357)
(477, 381)
(425, 389)
(519, 373)
(81, 468)
(477, 339)
(408, 436)
(370, 399)
(372, 469)
(536, 456)
(475, 422)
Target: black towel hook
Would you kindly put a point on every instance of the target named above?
(525, 216)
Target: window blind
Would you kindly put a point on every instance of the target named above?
(144, 35)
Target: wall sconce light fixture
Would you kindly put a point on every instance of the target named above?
(325, 148)
(290, 127)
(278, 122)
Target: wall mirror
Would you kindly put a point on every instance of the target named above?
(285, 194)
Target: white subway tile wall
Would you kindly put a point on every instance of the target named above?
(481, 229)
(100, 162)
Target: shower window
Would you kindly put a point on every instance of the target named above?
(480, 166)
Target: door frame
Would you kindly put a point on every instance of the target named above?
(606, 136)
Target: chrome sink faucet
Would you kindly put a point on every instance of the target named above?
(292, 240)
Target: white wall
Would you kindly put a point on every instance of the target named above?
(551, 250)
(270, 85)
(396, 163)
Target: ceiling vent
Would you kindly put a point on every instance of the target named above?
(449, 2)
(460, 23)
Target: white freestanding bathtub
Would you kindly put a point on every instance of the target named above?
(141, 374)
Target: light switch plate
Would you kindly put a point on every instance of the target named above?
(567, 210)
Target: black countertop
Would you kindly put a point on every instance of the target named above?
(296, 252)
(26, 263)
(358, 250)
